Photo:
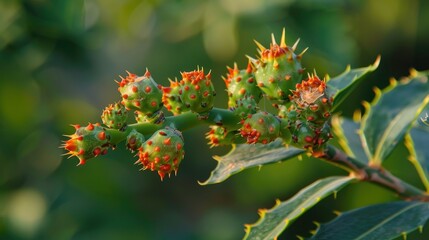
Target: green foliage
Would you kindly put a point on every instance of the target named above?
(346, 131)
(416, 142)
(381, 221)
(419, 142)
(390, 115)
(243, 156)
(342, 85)
(57, 59)
(274, 221)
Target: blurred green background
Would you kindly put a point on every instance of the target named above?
(58, 60)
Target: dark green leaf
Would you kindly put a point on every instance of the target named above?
(392, 112)
(417, 144)
(274, 221)
(342, 85)
(346, 132)
(244, 156)
(382, 221)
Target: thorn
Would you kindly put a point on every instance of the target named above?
(253, 61)
(295, 44)
(273, 39)
(81, 162)
(283, 39)
(262, 48)
(302, 53)
(338, 213)
(147, 73)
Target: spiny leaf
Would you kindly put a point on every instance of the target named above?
(417, 143)
(346, 131)
(274, 221)
(342, 85)
(382, 221)
(392, 112)
(244, 156)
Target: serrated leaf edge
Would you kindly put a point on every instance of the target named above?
(423, 175)
(375, 160)
(262, 212)
(390, 218)
(370, 68)
(420, 227)
(234, 146)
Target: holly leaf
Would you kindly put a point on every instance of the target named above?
(391, 114)
(342, 85)
(347, 134)
(381, 221)
(274, 221)
(417, 143)
(243, 156)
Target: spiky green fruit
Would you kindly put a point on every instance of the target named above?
(141, 93)
(87, 142)
(278, 69)
(197, 93)
(309, 137)
(312, 101)
(261, 127)
(244, 107)
(162, 152)
(219, 136)
(290, 116)
(171, 98)
(134, 140)
(115, 116)
(241, 84)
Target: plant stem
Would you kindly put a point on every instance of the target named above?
(187, 120)
(377, 175)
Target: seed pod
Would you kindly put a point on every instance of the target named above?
(87, 142)
(261, 127)
(197, 92)
(162, 152)
(115, 116)
(278, 69)
(241, 84)
(141, 93)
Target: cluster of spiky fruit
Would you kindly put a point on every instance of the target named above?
(302, 119)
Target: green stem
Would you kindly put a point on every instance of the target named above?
(377, 175)
(181, 122)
